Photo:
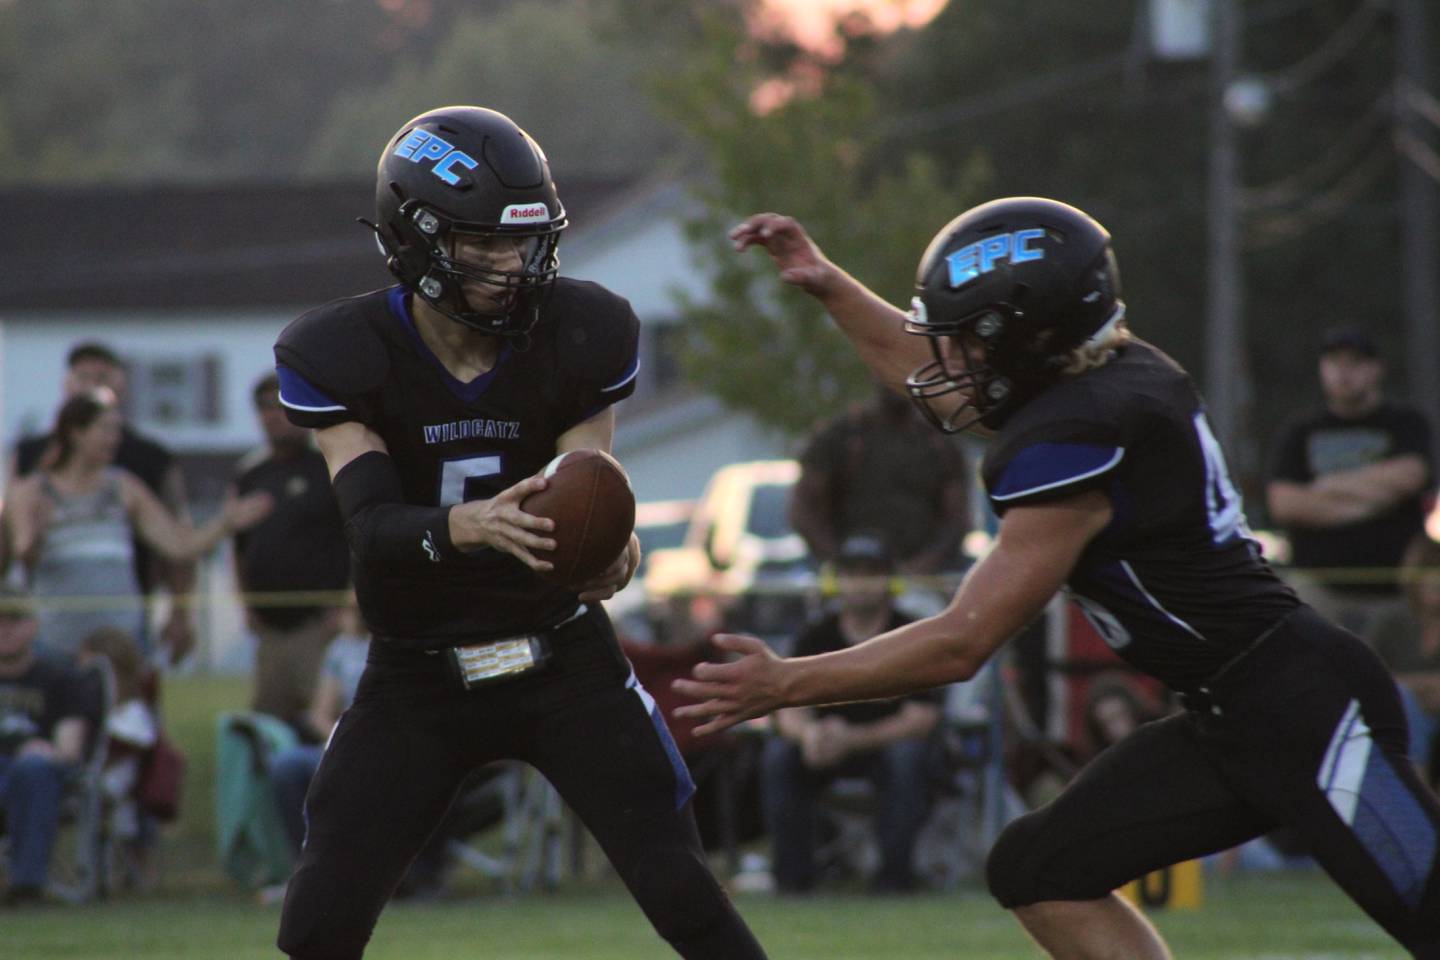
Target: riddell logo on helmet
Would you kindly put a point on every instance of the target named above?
(420, 146)
(970, 261)
(524, 213)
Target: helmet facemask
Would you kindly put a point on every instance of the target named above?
(933, 387)
(519, 293)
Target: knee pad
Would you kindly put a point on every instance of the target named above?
(1034, 862)
(1012, 869)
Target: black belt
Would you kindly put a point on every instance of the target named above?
(1201, 698)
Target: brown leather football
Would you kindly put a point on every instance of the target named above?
(590, 500)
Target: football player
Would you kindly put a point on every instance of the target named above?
(1107, 477)
(437, 402)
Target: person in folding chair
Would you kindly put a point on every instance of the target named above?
(437, 404)
(881, 742)
(1107, 477)
(44, 706)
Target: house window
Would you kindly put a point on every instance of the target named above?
(666, 344)
(175, 391)
(660, 345)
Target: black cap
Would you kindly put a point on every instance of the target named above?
(863, 549)
(1348, 338)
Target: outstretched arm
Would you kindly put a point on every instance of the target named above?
(875, 328)
(177, 540)
(1037, 548)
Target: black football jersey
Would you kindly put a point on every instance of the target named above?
(361, 359)
(1175, 583)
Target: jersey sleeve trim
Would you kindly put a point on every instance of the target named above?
(297, 393)
(1048, 466)
(629, 375)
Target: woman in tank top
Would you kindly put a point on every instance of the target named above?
(72, 525)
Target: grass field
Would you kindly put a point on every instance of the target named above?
(195, 913)
(1256, 918)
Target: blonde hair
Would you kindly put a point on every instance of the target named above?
(1097, 351)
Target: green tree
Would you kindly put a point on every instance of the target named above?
(165, 90)
(171, 89)
(547, 65)
(759, 346)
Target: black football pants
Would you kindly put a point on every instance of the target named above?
(400, 752)
(1307, 731)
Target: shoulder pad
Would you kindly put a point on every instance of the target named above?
(1053, 448)
(596, 331)
(337, 347)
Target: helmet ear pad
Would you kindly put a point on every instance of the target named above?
(408, 250)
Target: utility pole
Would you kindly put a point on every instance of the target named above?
(1416, 197)
(1224, 330)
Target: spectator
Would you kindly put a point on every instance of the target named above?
(292, 769)
(1115, 707)
(879, 468)
(73, 524)
(44, 705)
(1409, 643)
(89, 366)
(133, 728)
(1347, 484)
(884, 741)
(298, 548)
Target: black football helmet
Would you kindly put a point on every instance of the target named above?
(468, 171)
(1029, 279)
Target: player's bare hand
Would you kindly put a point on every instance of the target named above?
(616, 576)
(796, 256)
(736, 691)
(499, 523)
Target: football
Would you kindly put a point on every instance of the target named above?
(590, 500)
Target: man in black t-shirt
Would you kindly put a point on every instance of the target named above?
(88, 366)
(1109, 483)
(438, 404)
(878, 468)
(44, 711)
(1347, 484)
(298, 549)
(883, 741)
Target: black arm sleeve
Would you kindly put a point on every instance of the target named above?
(383, 530)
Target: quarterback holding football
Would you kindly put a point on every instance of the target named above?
(438, 403)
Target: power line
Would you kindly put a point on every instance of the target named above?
(1341, 154)
(1276, 228)
(1416, 99)
(1345, 39)
(1419, 153)
(1017, 95)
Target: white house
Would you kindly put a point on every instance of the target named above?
(191, 284)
